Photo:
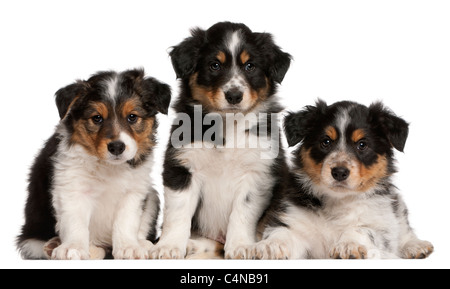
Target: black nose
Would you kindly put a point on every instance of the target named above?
(340, 173)
(234, 96)
(116, 147)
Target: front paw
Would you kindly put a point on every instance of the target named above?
(417, 249)
(238, 252)
(70, 251)
(167, 252)
(270, 250)
(348, 251)
(133, 251)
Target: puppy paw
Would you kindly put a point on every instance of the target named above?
(417, 249)
(96, 253)
(133, 251)
(239, 252)
(70, 251)
(167, 252)
(51, 245)
(348, 251)
(270, 250)
(203, 245)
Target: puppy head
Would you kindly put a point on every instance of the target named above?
(229, 68)
(113, 115)
(346, 147)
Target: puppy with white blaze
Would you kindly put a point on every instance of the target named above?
(341, 202)
(224, 159)
(90, 193)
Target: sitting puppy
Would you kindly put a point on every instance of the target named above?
(341, 202)
(224, 160)
(90, 188)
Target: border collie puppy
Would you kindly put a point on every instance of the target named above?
(341, 202)
(89, 188)
(224, 158)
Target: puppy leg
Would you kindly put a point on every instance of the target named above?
(416, 249)
(348, 250)
(73, 216)
(301, 237)
(357, 243)
(279, 244)
(411, 247)
(127, 221)
(95, 253)
(180, 207)
(70, 251)
(241, 231)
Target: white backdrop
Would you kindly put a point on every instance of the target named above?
(395, 51)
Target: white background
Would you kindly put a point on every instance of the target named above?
(395, 51)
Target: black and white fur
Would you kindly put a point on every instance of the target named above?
(341, 202)
(90, 189)
(211, 190)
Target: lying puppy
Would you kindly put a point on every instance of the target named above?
(224, 157)
(341, 202)
(90, 188)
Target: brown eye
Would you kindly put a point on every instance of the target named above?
(97, 119)
(326, 143)
(132, 118)
(362, 145)
(215, 66)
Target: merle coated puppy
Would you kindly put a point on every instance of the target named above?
(341, 202)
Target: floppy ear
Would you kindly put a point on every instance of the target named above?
(278, 61)
(155, 95)
(293, 124)
(395, 128)
(298, 125)
(184, 56)
(66, 96)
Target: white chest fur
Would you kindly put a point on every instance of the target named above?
(90, 192)
(229, 176)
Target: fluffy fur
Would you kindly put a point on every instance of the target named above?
(219, 188)
(89, 188)
(341, 202)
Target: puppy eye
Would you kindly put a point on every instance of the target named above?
(132, 118)
(215, 66)
(249, 67)
(326, 143)
(97, 119)
(362, 145)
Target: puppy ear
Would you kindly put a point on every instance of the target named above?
(280, 65)
(395, 128)
(278, 61)
(184, 56)
(66, 96)
(298, 125)
(293, 124)
(156, 95)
